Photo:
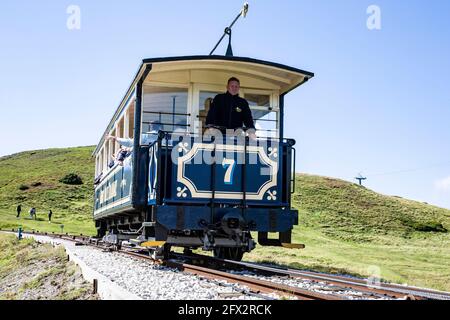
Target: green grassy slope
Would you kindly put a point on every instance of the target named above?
(347, 211)
(346, 228)
(41, 171)
(350, 229)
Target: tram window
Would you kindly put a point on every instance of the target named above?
(100, 162)
(266, 119)
(257, 100)
(265, 123)
(130, 116)
(164, 109)
(203, 107)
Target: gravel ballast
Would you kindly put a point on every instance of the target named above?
(152, 281)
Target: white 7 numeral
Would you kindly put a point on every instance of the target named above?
(228, 179)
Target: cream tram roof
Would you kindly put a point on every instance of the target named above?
(182, 71)
(253, 73)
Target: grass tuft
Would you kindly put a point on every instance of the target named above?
(72, 179)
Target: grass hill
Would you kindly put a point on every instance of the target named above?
(346, 228)
(348, 211)
(352, 230)
(32, 178)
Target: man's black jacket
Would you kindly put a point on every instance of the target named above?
(230, 112)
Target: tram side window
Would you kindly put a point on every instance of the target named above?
(99, 164)
(266, 119)
(164, 109)
(205, 99)
(130, 123)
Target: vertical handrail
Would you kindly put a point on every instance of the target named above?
(158, 170)
(294, 153)
(244, 167)
(166, 161)
(213, 181)
(153, 157)
(121, 184)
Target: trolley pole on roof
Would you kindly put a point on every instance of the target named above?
(227, 31)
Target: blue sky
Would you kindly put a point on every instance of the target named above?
(379, 103)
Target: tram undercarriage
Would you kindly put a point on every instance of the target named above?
(228, 239)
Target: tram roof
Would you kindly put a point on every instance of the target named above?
(283, 77)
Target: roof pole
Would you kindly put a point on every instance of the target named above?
(227, 31)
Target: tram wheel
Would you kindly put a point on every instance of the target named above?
(228, 253)
(101, 233)
(162, 252)
(101, 229)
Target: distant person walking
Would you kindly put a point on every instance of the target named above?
(33, 213)
(19, 210)
(50, 213)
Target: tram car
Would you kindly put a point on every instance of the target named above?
(180, 187)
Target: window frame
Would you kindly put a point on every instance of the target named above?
(166, 86)
(197, 87)
(273, 103)
(273, 100)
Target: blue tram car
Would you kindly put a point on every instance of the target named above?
(182, 186)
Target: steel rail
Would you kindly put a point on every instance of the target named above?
(383, 289)
(255, 284)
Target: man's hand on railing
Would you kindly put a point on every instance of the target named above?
(250, 132)
(252, 135)
(213, 126)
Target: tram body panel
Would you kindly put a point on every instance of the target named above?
(258, 173)
(113, 193)
(181, 184)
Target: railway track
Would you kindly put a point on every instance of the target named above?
(398, 291)
(383, 290)
(225, 270)
(256, 285)
(258, 288)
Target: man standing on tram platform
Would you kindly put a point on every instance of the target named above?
(230, 111)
